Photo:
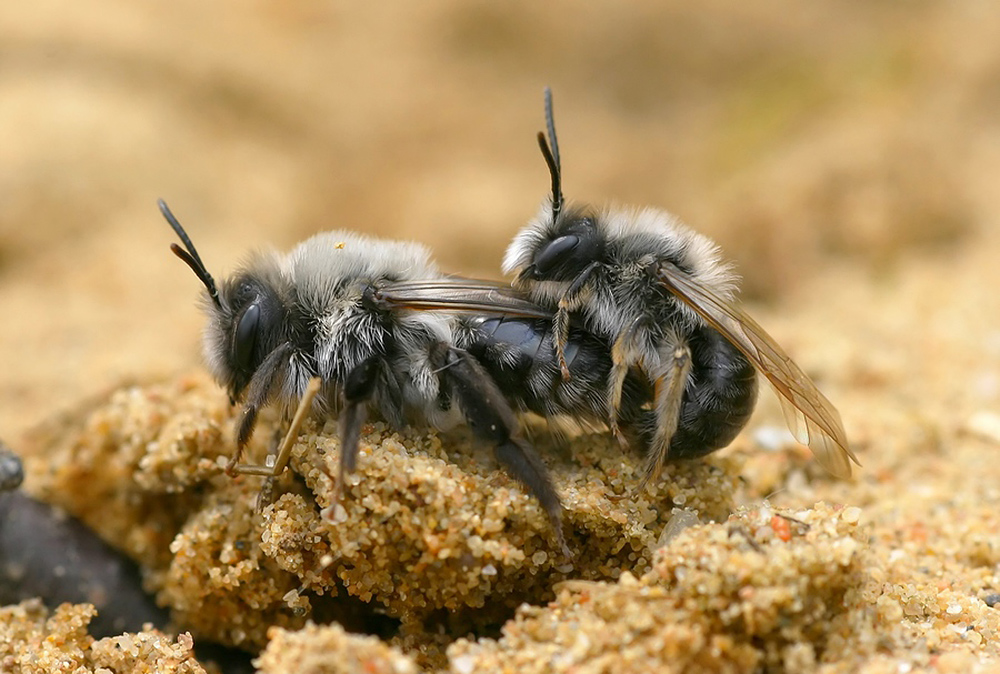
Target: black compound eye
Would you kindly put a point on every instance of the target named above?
(246, 336)
(554, 254)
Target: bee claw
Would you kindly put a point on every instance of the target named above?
(563, 367)
(651, 475)
(265, 496)
(566, 552)
(617, 433)
(329, 514)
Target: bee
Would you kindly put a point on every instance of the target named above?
(664, 299)
(345, 323)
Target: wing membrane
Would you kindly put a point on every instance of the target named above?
(461, 295)
(812, 419)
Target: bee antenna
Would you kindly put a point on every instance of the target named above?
(551, 155)
(190, 256)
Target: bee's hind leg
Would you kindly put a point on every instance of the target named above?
(492, 419)
(668, 396)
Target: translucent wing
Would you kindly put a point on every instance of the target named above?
(813, 419)
(461, 295)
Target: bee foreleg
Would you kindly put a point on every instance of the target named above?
(280, 453)
(258, 393)
(266, 494)
(569, 301)
(668, 396)
(277, 457)
(492, 420)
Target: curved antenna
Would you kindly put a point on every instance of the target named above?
(190, 256)
(551, 155)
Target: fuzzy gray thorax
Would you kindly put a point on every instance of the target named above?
(331, 272)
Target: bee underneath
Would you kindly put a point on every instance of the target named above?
(306, 331)
(665, 300)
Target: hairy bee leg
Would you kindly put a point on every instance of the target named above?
(620, 363)
(520, 460)
(358, 389)
(266, 494)
(351, 419)
(560, 330)
(668, 396)
(258, 393)
(569, 301)
(492, 420)
(284, 450)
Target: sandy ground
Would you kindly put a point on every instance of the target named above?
(845, 156)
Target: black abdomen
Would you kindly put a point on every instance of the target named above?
(719, 398)
(519, 354)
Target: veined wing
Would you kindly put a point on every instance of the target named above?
(813, 419)
(460, 295)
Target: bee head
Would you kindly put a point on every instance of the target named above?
(246, 313)
(560, 243)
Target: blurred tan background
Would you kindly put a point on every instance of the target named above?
(803, 137)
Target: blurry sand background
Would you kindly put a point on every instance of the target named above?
(800, 137)
(846, 155)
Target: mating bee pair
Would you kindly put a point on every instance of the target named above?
(625, 319)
